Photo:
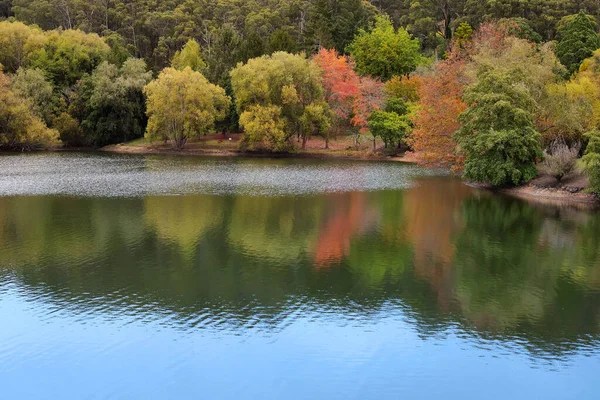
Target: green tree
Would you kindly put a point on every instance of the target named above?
(390, 127)
(182, 105)
(498, 137)
(189, 56)
(17, 40)
(315, 120)
(384, 52)
(591, 161)
(113, 108)
(578, 41)
(33, 84)
(66, 56)
(290, 82)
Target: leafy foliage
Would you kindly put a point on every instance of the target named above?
(182, 105)
(436, 120)
(577, 42)
(20, 127)
(391, 127)
(498, 136)
(264, 128)
(591, 160)
(189, 56)
(113, 107)
(384, 52)
(289, 82)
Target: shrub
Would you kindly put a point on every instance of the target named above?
(560, 159)
(591, 161)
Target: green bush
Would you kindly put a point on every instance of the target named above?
(591, 161)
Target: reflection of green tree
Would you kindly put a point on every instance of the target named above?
(506, 278)
(380, 255)
(183, 219)
(276, 228)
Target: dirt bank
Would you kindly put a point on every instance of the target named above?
(217, 146)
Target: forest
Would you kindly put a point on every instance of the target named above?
(489, 89)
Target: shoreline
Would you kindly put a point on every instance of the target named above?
(544, 194)
(350, 155)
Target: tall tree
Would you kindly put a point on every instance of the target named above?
(436, 121)
(189, 56)
(578, 41)
(290, 82)
(498, 136)
(183, 105)
(384, 52)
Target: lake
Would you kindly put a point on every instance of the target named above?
(156, 277)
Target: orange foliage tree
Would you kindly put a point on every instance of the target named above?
(340, 81)
(436, 121)
(352, 98)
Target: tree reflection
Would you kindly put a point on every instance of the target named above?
(496, 266)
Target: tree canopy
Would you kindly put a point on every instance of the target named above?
(182, 105)
(384, 52)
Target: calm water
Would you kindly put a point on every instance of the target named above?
(187, 278)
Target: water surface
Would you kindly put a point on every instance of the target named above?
(165, 277)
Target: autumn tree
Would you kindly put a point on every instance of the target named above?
(264, 128)
(17, 41)
(498, 137)
(436, 120)
(340, 82)
(384, 51)
(66, 56)
(572, 109)
(182, 105)
(578, 40)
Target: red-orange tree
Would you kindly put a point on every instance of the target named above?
(341, 83)
(436, 121)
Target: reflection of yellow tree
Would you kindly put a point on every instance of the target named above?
(278, 228)
(183, 219)
(29, 233)
(64, 229)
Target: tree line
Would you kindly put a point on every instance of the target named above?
(476, 86)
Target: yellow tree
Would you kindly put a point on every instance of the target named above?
(182, 105)
(20, 128)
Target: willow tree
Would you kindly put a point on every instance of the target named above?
(182, 105)
(285, 82)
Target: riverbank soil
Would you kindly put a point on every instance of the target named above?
(228, 146)
(572, 187)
